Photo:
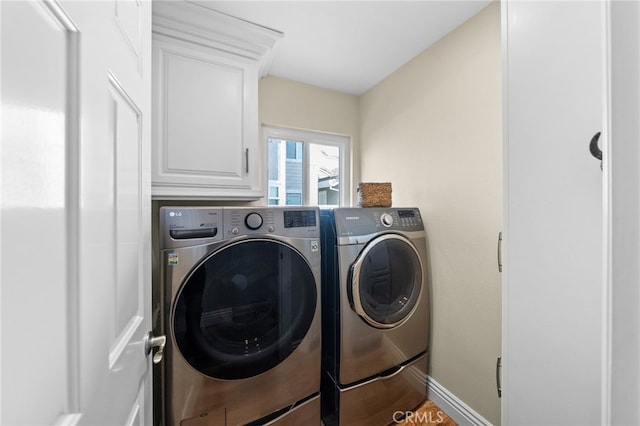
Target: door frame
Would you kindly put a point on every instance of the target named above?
(621, 298)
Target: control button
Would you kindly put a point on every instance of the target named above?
(253, 221)
(271, 228)
(386, 219)
(235, 231)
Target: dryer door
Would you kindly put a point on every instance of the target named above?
(386, 281)
(244, 309)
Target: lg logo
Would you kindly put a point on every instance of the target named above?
(174, 214)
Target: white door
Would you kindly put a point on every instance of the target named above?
(553, 288)
(75, 212)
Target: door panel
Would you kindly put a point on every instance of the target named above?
(553, 284)
(125, 129)
(114, 211)
(37, 209)
(75, 212)
(129, 17)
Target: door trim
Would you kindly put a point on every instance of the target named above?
(621, 371)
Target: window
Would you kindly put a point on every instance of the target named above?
(294, 150)
(306, 168)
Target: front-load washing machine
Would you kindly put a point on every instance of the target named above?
(375, 314)
(241, 310)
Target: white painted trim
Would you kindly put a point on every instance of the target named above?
(452, 405)
(195, 22)
(343, 142)
(623, 181)
(71, 419)
(607, 226)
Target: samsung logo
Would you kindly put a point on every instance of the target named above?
(352, 218)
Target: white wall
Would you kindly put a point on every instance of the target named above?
(433, 129)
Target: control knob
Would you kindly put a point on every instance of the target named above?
(253, 221)
(386, 219)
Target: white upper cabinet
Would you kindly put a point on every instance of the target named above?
(205, 102)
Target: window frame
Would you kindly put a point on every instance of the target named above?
(307, 137)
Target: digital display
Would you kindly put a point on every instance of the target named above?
(406, 213)
(299, 218)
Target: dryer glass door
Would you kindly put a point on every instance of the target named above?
(386, 281)
(244, 309)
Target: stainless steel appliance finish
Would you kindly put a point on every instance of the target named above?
(375, 313)
(241, 309)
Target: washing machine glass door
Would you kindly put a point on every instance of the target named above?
(386, 281)
(244, 309)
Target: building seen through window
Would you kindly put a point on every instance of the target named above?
(304, 171)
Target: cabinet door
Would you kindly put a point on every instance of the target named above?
(206, 125)
(553, 284)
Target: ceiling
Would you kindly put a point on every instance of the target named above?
(349, 46)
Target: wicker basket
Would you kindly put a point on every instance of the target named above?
(374, 194)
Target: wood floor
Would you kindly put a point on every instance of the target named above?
(428, 414)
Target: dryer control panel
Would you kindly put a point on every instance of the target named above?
(366, 221)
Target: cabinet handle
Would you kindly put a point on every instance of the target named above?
(246, 160)
(499, 376)
(500, 251)
(595, 149)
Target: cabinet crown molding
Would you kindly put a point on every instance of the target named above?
(195, 22)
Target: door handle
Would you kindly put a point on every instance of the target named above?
(500, 251)
(595, 149)
(151, 342)
(499, 376)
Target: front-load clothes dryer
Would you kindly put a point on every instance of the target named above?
(241, 310)
(375, 314)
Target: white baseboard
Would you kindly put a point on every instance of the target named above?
(454, 407)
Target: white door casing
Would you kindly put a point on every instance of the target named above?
(75, 260)
(622, 217)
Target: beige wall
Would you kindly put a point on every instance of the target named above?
(286, 103)
(433, 129)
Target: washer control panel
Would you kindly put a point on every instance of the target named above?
(286, 221)
(182, 226)
(365, 221)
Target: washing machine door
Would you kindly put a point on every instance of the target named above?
(244, 309)
(386, 281)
